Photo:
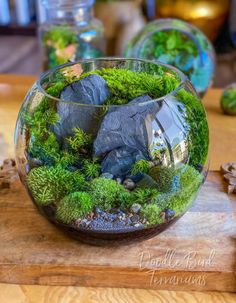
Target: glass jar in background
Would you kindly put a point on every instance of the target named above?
(70, 32)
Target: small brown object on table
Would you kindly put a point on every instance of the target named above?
(229, 172)
(208, 229)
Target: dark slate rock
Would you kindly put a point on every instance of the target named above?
(90, 90)
(129, 126)
(119, 161)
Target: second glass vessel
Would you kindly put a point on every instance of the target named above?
(70, 32)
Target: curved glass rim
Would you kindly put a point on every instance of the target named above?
(182, 76)
(67, 4)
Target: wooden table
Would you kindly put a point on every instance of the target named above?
(223, 148)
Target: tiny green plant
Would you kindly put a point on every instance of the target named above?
(79, 140)
(91, 169)
(141, 166)
(145, 195)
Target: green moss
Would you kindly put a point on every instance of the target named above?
(91, 169)
(164, 177)
(171, 47)
(43, 144)
(50, 184)
(61, 35)
(197, 127)
(108, 193)
(141, 166)
(74, 206)
(126, 84)
(144, 195)
(228, 101)
(58, 38)
(190, 181)
(79, 140)
(151, 213)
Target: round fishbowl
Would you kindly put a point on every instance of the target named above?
(112, 150)
(180, 44)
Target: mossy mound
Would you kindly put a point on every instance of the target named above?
(152, 214)
(164, 177)
(50, 184)
(108, 193)
(74, 206)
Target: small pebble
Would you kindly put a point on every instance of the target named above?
(135, 218)
(85, 223)
(169, 214)
(129, 184)
(33, 162)
(135, 208)
(118, 180)
(107, 176)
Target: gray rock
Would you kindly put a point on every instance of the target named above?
(125, 135)
(135, 208)
(135, 219)
(91, 90)
(107, 176)
(129, 126)
(119, 161)
(129, 184)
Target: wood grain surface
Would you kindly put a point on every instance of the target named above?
(223, 148)
(55, 294)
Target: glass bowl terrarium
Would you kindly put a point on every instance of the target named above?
(180, 44)
(112, 150)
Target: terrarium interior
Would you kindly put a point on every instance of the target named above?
(175, 42)
(112, 145)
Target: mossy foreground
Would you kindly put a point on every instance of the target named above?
(69, 177)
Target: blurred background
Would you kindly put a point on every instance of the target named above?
(20, 20)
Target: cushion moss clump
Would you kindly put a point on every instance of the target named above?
(190, 181)
(108, 193)
(152, 213)
(74, 206)
(164, 177)
(50, 184)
